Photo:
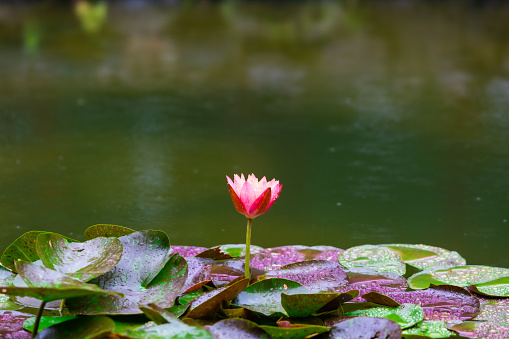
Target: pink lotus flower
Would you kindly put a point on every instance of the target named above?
(252, 197)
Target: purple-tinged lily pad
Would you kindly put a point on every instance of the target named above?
(214, 253)
(315, 275)
(105, 230)
(428, 329)
(79, 328)
(47, 285)
(294, 332)
(145, 274)
(366, 280)
(265, 296)
(11, 325)
(438, 302)
(80, 260)
(380, 259)
(239, 250)
(424, 256)
(493, 281)
(198, 272)
(236, 328)
(273, 258)
(406, 315)
(22, 248)
(210, 302)
(188, 251)
(365, 328)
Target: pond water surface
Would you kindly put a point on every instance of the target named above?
(385, 121)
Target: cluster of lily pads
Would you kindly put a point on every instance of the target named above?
(121, 283)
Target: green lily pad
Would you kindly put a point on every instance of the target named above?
(424, 256)
(265, 296)
(80, 260)
(428, 329)
(144, 274)
(105, 230)
(406, 315)
(174, 330)
(493, 281)
(23, 248)
(304, 304)
(46, 321)
(380, 259)
(47, 285)
(294, 332)
(210, 302)
(239, 250)
(79, 328)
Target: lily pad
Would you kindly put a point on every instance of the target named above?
(214, 253)
(236, 328)
(11, 325)
(24, 249)
(315, 275)
(273, 258)
(304, 304)
(105, 230)
(365, 328)
(46, 321)
(378, 258)
(424, 256)
(47, 285)
(428, 329)
(188, 251)
(82, 261)
(174, 330)
(491, 280)
(406, 315)
(210, 302)
(239, 250)
(79, 328)
(265, 296)
(294, 332)
(438, 302)
(162, 289)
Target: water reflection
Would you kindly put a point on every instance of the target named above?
(385, 121)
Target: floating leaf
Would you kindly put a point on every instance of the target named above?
(214, 253)
(491, 280)
(23, 248)
(380, 259)
(198, 272)
(210, 302)
(82, 261)
(174, 330)
(294, 332)
(429, 329)
(79, 328)
(315, 275)
(236, 328)
(11, 325)
(188, 251)
(424, 256)
(47, 285)
(304, 304)
(105, 230)
(406, 315)
(273, 258)
(265, 296)
(239, 250)
(365, 328)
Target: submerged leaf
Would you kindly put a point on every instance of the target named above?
(82, 261)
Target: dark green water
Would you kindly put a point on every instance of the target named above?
(385, 121)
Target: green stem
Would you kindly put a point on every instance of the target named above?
(248, 245)
(38, 319)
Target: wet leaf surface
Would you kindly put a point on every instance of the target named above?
(365, 328)
(188, 251)
(424, 256)
(302, 305)
(239, 250)
(493, 281)
(214, 253)
(174, 330)
(406, 315)
(11, 325)
(210, 302)
(46, 321)
(82, 261)
(23, 248)
(265, 296)
(236, 328)
(105, 230)
(315, 275)
(79, 328)
(380, 259)
(294, 332)
(428, 329)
